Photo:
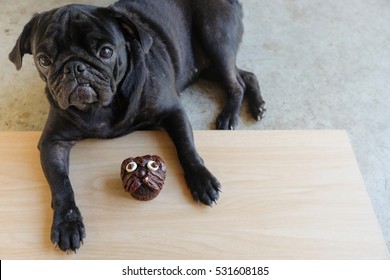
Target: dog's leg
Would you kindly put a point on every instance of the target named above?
(203, 185)
(67, 230)
(253, 94)
(228, 118)
(220, 33)
(219, 29)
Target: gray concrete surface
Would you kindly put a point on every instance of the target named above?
(321, 65)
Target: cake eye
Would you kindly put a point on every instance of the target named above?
(152, 165)
(131, 167)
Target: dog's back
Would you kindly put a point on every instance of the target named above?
(187, 43)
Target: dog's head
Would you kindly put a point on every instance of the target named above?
(81, 52)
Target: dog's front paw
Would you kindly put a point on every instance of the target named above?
(68, 230)
(204, 186)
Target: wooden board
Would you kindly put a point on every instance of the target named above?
(286, 195)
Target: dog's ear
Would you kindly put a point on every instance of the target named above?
(23, 44)
(130, 27)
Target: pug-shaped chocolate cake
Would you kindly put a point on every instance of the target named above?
(143, 177)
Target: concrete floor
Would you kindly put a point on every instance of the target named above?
(321, 65)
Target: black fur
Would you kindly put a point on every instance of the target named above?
(110, 71)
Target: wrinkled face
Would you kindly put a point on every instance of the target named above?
(81, 54)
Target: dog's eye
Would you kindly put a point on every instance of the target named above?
(152, 165)
(131, 167)
(106, 52)
(44, 61)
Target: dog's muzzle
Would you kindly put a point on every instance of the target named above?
(82, 95)
(75, 87)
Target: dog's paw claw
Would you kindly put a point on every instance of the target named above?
(68, 230)
(259, 112)
(207, 193)
(227, 121)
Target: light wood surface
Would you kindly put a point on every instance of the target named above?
(286, 195)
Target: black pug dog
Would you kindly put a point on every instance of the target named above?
(110, 71)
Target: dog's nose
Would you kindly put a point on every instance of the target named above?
(74, 67)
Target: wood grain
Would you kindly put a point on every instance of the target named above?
(286, 195)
